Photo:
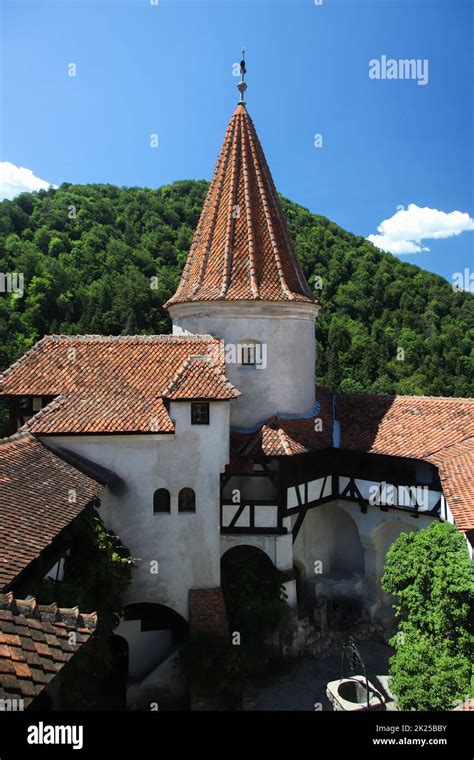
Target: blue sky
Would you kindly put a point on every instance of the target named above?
(167, 69)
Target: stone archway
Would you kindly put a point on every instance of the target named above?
(250, 581)
(346, 553)
(330, 549)
(329, 543)
(152, 632)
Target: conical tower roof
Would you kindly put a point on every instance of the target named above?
(242, 249)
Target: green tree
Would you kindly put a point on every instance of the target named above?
(432, 578)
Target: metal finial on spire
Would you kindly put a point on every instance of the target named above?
(242, 86)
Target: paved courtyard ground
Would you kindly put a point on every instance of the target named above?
(306, 686)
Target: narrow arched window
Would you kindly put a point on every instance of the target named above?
(187, 500)
(161, 500)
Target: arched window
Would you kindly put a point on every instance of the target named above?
(187, 500)
(161, 500)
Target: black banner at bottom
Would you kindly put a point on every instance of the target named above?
(122, 734)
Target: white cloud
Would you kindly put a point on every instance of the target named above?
(407, 228)
(17, 179)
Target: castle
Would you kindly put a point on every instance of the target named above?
(217, 437)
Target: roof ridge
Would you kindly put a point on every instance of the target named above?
(250, 227)
(15, 437)
(97, 338)
(125, 338)
(230, 224)
(49, 613)
(282, 436)
(215, 216)
(56, 402)
(266, 211)
(23, 358)
(397, 395)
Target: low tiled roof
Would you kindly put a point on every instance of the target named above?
(101, 413)
(40, 495)
(408, 426)
(36, 641)
(286, 437)
(200, 378)
(242, 249)
(283, 436)
(111, 384)
(456, 471)
(431, 429)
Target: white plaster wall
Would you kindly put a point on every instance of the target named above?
(147, 649)
(317, 538)
(186, 546)
(320, 539)
(287, 382)
(266, 543)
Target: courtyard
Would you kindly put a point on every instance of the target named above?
(304, 687)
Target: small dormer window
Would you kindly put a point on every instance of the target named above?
(247, 354)
(200, 414)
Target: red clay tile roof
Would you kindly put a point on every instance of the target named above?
(200, 378)
(408, 426)
(36, 643)
(101, 413)
(35, 501)
(108, 384)
(242, 249)
(286, 437)
(435, 430)
(456, 471)
(282, 436)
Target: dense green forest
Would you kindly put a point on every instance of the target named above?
(88, 253)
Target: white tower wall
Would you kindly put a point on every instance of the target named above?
(285, 382)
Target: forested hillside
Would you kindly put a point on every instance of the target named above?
(88, 252)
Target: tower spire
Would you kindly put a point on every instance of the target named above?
(242, 249)
(242, 86)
